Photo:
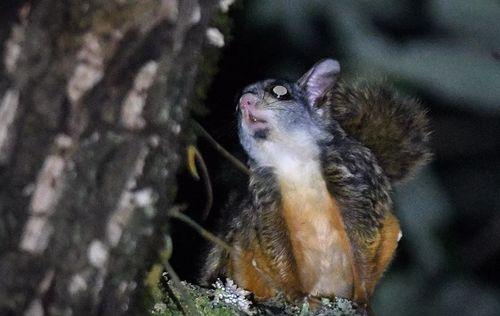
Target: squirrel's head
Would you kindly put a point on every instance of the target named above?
(278, 116)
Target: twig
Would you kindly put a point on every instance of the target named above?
(194, 154)
(238, 164)
(174, 212)
(190, 306)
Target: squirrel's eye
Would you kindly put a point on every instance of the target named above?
(280, 92)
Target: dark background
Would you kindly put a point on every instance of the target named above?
(447, 54)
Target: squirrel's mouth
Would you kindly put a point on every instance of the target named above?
(254, 118)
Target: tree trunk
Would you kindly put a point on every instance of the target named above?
(93, 105)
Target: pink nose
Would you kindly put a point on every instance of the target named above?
(248, 100)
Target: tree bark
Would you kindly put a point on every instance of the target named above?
(93, 105)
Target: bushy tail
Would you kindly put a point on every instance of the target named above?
(395, 128)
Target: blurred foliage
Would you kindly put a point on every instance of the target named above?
(455, 60)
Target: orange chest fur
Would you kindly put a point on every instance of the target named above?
(320, 245)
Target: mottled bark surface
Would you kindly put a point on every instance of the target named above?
(93, 105)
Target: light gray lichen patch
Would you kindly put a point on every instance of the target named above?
(13, 48)
(336, 307)
(119, 218)
(97, 254)
(36, 235)
(89, 68)
(144, 197)
(9, 105)
(195, 14)
(215, 37)
(131, 113)
(159, 308)
(77, 284)
(225, 4)
(46, 194)
(122, 214)
(230, 294)
(35, 308)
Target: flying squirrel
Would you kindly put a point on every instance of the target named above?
(318, 219)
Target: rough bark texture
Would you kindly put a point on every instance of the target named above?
(93, 104)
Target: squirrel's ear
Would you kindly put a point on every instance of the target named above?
(319, 79)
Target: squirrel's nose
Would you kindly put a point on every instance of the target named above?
(248, 101)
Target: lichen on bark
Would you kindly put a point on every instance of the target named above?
(225, 298)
